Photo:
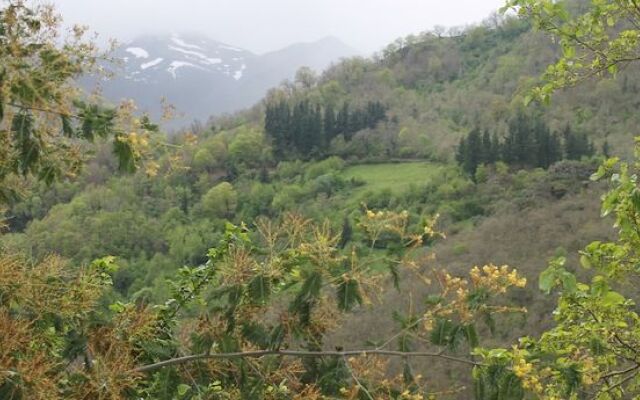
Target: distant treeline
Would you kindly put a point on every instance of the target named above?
(306, 130)
(529, 143)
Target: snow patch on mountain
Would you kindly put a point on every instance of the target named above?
(179, 64)
(227, 47)
(151, 63)
(138, 52)
(238, 74)
(202, 57)
(202, 76)
(175, 39)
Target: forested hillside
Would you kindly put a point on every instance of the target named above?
(421, 158)
(415, 101)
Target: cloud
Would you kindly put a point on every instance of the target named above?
(261, 25)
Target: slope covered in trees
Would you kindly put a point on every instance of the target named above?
(228, 284)
(528, 144)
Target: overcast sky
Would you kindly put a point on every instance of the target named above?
(264, 25)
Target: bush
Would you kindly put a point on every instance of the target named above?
(331, 164)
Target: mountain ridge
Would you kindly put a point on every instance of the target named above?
(203, 77)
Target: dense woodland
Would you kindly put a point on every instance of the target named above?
(528, 144)
(345, 237)
(304, 130)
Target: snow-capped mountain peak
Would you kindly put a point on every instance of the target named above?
(155, 58)
(203, 77)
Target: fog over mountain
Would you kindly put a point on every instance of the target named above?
(262, 26)
(202, 77)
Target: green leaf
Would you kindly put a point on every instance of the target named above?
(126, 156)
(202, 342)
(569, 282)
(228, 344)
(27, 144)
(407, 374)
(547, 280)
(117, 307)
(183, 389)
(444, 332)
(276, 337)
(348, 294)
(405, 344)
(569, 51)
(67, 127)
(145, 123)
(259, 289)
(310, 290)
(433, 300)
(489, 322)
(599, 285)
(477, 298)
(612, 299)
(256, 334)
(471, 335)
(635, 199)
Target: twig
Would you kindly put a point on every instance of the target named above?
(355, 378)
(300, 353)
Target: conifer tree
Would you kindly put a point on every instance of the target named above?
(487, 149)
(343, 120)
(473, 152)
(495, 154)
(329, 124)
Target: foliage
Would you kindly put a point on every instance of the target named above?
(251, 318)
(305, 130)
(591, 351)
(528, 143)
(592, 347)
(597, 38)
(221, 200)
(244, 281)
(57, 343)
(44, 119)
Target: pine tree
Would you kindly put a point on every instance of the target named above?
(577, 145)
(318, 138)
(342, 123)
(487, 151)
(496, 148)
(545, 146)
(473, 152)
(461, 151)
(329, 125)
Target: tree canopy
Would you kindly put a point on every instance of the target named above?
(251, 318)
(44, 117)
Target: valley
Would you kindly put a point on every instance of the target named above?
(455, 216)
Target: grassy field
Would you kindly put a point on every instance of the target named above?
(394, 176)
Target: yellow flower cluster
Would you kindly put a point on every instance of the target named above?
(497, 279)
(429, 228)
(589, 371)
(407, 395)
(456, 291)
(385, 214)
(524, 370)
(138, 139)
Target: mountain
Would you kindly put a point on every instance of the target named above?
(202, 77)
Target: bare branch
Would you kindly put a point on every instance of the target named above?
(301, 353)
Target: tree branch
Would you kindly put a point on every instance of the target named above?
(300, 353)
(45, 110)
